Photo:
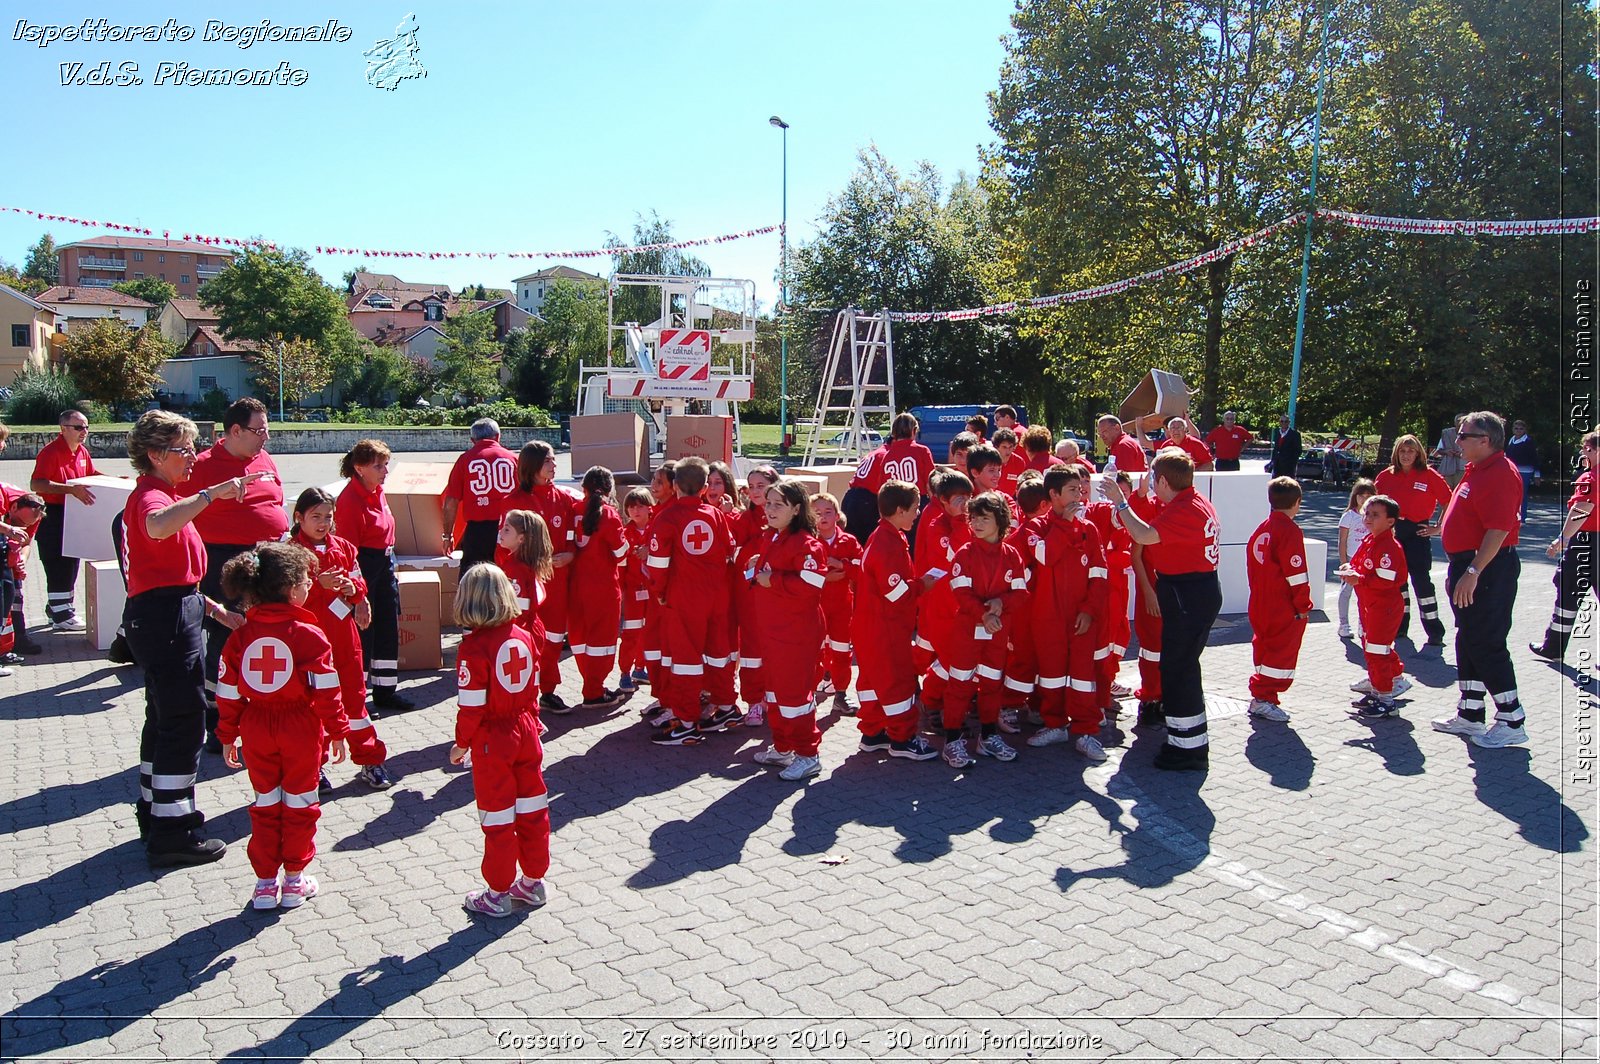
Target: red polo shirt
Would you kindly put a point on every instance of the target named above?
(256, 516)
(1189, 531)
(56, 463)
(177, 561)
(1489, 496)
(1584, 491)
(1190, 446)
(1418, 491)
(1229, 442)
(1128, 455)
(482, 481)
(363, 516)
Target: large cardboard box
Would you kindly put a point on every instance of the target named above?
(814, 484)
(104, 596)
(837, 477)
(86, 530)
(616, 441)
(448, 568)
(419, 622)
(1160, 393)
(416, 496)
(708, 436)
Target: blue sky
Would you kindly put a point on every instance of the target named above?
(540, 125)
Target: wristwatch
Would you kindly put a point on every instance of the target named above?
(205, 493)
(1473, 569)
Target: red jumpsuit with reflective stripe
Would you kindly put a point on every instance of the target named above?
(1114, 623)
(936, 549)
(687, 564)
(838, 603)
(594, 609)
(1146, 622)
(277, 691)
(882, 627)
(1280, 589)
(974, 657)
(747, 528)
(558, 507)
(1022, 663)
(789, 613)
(1069, 578)
(498, 721)
(335, 615)
(635, 599)
(1380, 602)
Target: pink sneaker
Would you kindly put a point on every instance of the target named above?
(529, 892)
(297, 890)
(488, 903)
(266, 895)
(756, 716)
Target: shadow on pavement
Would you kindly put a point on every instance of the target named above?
(717, 835)
(73, 698)
(1394, 740)
(67, 801)
(1505, 785)
(1278, 750)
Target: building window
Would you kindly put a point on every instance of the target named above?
(161, 258)
(163, 276)
(432, 312)
(19, 336)
(183, 278)
(137, 276)
(207, 384)
(138, 256)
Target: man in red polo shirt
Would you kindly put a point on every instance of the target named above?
(62, 459)
(481, 481)
(1181, 548)
(1478, 534)
(1123, 451)
(1227, 442)
(230, 527)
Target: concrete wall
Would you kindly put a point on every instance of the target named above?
(306, 441)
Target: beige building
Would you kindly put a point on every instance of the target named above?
(26, 326)
(73, 305)
(180, 317)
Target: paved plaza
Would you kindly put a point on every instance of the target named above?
(1332, 890)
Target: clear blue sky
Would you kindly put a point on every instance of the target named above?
(540, 124)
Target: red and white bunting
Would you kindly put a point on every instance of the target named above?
(1465, 226)
(388, 253)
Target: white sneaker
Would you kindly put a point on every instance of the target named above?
(1090, 747)
(1459, 725)
(801, 768)
(1260, 707)
(1401, 686)
(1009, 722)
(1502, 734)
(997, 748)
(4, 672)
(1121, 690)
(1049, 737)
(71, 624)
(955, 754)
(1345, 632)
(773, 756)
(1362, 686)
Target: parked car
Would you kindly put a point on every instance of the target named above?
(1313, 465)
(873, 439)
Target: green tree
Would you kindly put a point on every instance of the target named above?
(470, 358)
(302, 367)
(350, 278)
(267, 294)
(43, 262)
(152, 290)
(638, 302)
(113, 364)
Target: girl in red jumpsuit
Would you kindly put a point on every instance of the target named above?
(748, 528)
(1379, 574)
(791, 566)
(278, 697)
(537, 491)
(722, 488)
(988, 581)
(838, 599)
(522, 551)
(635, 589)
(497, 669)
(595, 606)
(338, 601)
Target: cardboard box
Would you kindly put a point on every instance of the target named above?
(420, 646)
(447, 568)
(708, 436)
(616, 441)
(813, 484)
(416, 497)
(837, 477)
(86, 530)
(104, 596)
(1160, 393)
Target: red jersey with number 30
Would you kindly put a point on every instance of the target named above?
(905, 460)
(482, 480)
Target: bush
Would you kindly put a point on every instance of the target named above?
(508, 414)
(212, 406)
(39, 396)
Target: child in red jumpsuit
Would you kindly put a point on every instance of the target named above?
(278, 698)
(594, 607)
(635, 589)
(558, 507)
(1115, 627)
(1280, 599)
(838, 599)
(1146, 614)
(936, 547)
(790, 570)
(748, 527)
(497, 722)
(883, 626)
(988, 581)
(522, 551)
(1379, 574)
(662, 492)
(1022, 663)
(338, 601)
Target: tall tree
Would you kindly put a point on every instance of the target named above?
(302, 368)
(470, 358)
(266, 294)
(152, 290)
(113, 364)
(43, 262)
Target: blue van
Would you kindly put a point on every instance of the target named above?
(941, 424)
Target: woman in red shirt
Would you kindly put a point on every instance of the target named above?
(166, 560)
(1420, 492)
(362, 516)
(1575, 547)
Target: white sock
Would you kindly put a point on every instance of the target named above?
(266, 882)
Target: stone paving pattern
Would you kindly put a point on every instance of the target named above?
(1333, 890)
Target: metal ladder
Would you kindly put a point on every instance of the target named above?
(854, 394)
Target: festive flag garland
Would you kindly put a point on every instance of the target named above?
(1381, 223)
(384, 253)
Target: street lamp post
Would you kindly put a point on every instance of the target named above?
(783, 274)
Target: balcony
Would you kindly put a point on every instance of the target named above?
(89, 263)
(97, 282)
(207, 271)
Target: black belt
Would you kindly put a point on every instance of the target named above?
(172, 591)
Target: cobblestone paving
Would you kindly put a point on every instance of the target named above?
(1332, 890)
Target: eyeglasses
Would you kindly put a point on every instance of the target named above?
(76, 428)
(183, 452)
(1472, 435)
(263, 431)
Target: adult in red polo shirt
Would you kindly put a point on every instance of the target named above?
(62, 459)
(902, 458)
(1479, 529)
(1123, 451)
(481, 483)
(1575, 546)
(1181, 548)
(229, 528)
(361, 515)
(1180, 437)
(1227, 441)
(1420, 492)
(165, 560)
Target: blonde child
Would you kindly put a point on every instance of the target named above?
(1352, 531)
(497, 722)
(523, 552)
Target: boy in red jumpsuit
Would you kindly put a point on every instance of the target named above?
(1280, 599)
(687, 564)
(1022, 662)
(20, 514)
(988, 580)
(947, 533)
(838, 599)
(1114, 624)
(635, 590)
(1069, 597)
(883, 626)
(1379, 574)
(1146, 611)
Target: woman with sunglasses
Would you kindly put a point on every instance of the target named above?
(166, 560)
(63, 459)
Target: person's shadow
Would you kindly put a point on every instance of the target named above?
(1278, 750)
(716, 836)
(1505, 785)
(1394, 740)
(67, 801)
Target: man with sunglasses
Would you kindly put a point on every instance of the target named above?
(62, 459)
(1479, 535)
(232, 526)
